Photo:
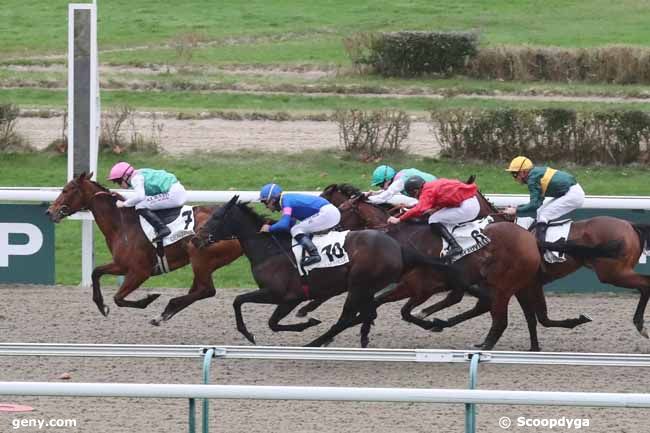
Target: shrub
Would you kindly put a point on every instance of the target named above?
(372, 134)
(409, 54)
(611, 137)
(10, 140)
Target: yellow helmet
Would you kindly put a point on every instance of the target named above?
(520, 163)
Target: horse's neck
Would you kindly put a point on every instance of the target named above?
(107, 215)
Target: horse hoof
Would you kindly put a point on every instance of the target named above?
(585, 318)
(154, 322)
(439, 323)
(251, 338)
(105, 310)
(420, 315)
(644, 332)
(535, 349)
(435, 329)
(301, 313)
(313, 322)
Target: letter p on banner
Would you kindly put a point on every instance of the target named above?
(26, 245)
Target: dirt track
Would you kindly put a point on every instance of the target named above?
(66, 315)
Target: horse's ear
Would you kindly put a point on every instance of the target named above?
(471, 179)
(90, 175)
(82, 176)
(232, 201)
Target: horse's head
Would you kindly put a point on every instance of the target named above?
(339, 193)
(77, 195)
(230, 221)
(357, 213)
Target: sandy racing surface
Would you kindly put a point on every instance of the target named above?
(61, 314)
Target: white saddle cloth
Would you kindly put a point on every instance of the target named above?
(181, 227)
(331, 247)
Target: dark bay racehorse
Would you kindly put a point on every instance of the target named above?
(133, 255)
(376, 260)
(495, 267)
(618, 271)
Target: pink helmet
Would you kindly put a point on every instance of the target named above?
(121, 170)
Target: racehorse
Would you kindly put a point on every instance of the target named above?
(618, 271)
(375, 261)
(504, 250)
(133, 255)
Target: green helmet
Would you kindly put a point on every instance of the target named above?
(382, 174)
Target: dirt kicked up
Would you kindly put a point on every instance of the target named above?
(58, 314)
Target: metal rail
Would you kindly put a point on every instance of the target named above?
(324, 354)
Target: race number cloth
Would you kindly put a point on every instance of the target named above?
(181, 227)
(557, 231)
(330, 247)
(469, 236)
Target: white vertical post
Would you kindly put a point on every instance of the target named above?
(90, 118)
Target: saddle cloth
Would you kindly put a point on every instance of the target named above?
(181, 227)
(331, 247)
(556, 231)
(469, 236)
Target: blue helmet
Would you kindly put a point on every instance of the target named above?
(270, 191)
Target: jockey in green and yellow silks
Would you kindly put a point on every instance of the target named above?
(544, 182)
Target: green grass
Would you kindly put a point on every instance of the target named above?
(40, 27)
(248, 171)
(179, 101)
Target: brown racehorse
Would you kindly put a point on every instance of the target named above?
(495, 267)
(375, 261)
(133, 255)
(617, 271)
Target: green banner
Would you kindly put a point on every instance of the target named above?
(26, 244)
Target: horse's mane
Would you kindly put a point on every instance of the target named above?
(344, 188)
(246, 209)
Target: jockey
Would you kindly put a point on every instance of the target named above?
(545, 182)
(452, 202)
(154, 190)
(314, 213)
(393, 183)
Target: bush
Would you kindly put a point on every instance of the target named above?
(372, 134)
(409, 54)
(115, 139)
(10, 140)
(612, 137)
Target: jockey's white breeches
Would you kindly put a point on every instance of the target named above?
(328, 217)
(467, 211)
(560, 206)
(177, 196)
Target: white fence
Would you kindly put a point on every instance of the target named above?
(445, 396)
(49, 194)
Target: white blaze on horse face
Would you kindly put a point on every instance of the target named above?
(33, 245)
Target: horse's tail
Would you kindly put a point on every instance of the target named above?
(412, 257)
(609, 249)
(643, 230)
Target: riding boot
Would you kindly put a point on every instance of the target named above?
(540, 234)
(161, 229)
(454, 248)
(311, 249)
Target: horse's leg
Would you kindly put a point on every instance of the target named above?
(433, 326)
(368, 314)
(282, 311)
(202, 287)
(528, 307)
(482, 306)
(261, 296)
(110, 269)
(133, 280)
(452, 298)
(536, 293)
(310, 306)
(499, 312)
(348, 318)
(631, 280)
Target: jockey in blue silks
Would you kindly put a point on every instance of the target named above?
(302, 214)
